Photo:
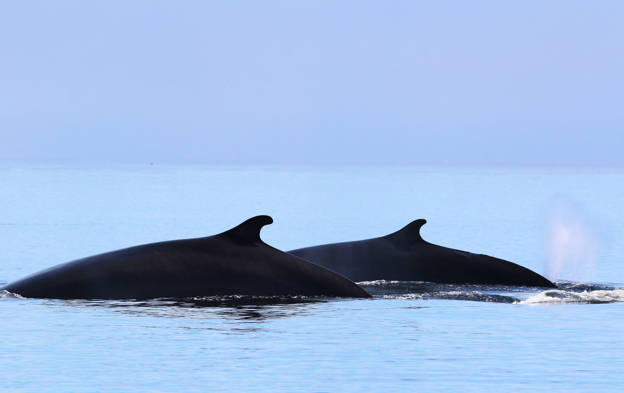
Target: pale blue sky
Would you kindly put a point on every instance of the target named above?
(316, 82)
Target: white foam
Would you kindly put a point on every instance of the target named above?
(559, 296)
(475, 296)
(6, 294)
(406, 296)
(380, 282)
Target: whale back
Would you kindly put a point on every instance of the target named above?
(235, 262)
(404, 256)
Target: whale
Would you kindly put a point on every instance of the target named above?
(235, 262)
(405, 256)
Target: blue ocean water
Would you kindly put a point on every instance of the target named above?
(566, 223)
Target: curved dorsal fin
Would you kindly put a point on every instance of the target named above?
(410, 233)
(249, 230)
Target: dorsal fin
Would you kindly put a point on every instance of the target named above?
(410, 233)
(249, 230)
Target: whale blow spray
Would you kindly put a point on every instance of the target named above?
(572, 245)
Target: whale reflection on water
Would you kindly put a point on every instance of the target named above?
(229, 307)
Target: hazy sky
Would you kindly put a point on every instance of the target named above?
(316, 82)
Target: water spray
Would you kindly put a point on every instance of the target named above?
(572, 245)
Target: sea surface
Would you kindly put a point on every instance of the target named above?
(566, 223)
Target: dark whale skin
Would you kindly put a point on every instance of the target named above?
(405, 256)
(235, 262)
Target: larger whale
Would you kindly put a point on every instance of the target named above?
(235, 262)
(404, 255)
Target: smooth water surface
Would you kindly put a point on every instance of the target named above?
(410, 336)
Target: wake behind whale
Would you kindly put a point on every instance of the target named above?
(566, 292)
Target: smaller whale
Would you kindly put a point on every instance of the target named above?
(235, 262)
(405, 256)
